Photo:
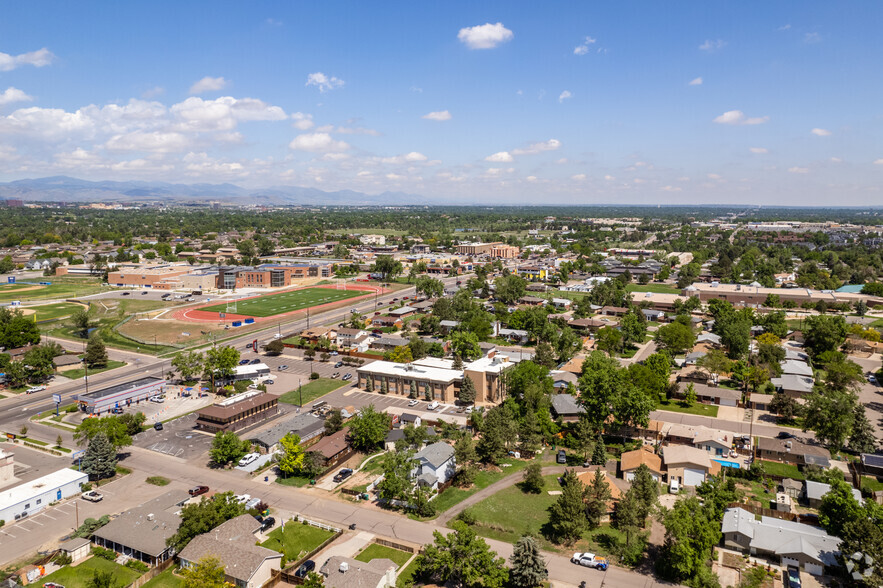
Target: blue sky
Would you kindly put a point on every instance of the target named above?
(479, 102)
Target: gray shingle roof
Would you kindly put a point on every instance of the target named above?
(435, 454)
(135, 529)
(305, 425)
(233, 543)
(566, 405)
(781, 537)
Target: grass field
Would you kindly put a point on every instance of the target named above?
(377, 551)
(786, 470)
(167, 579)
(52, 312)
(311, 391)
(283, 302)
(483, 479)
(709, 410)
(80, 372)
(60, 288)
(299, 540)
(79, 577)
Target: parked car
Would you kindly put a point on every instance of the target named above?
(872, 379)
(347, 377)
(244, 361)
(254, 362)
(144, 293)
(242, 498)
(53, 585)
(793, 575)
(674, 486)
(561, 457)
(785, 435)
(93, 496)
(339, 364)
(116, 410)
(127, 294)
(157, 426)
(198, 490)
(268, 523)
(589, 560)
(305, 568)
(343, 475)
(34, 389)
(414, 402)
(158, 399)
(248, 458)
(270, 382)
(432, 405)
(335, 375)
(283, 367)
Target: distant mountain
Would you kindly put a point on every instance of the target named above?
(67, 189)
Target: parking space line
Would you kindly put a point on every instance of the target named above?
(35, 522)
(47, 516)
(9, 534)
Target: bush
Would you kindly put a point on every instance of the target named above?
(71, 409)
(86, 486)
(138, 566)
(90, 525)
(62, 559)
(467, 517)
(314, 376)
(108, 554)
(158, 481)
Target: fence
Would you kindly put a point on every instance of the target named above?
(394, 545)
(152, 573)
(287, 575)
(765, 512)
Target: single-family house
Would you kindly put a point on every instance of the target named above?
(409, 419)
(813, 492)
(565, 407)
(532, 300)
(435, 465)
(562, 379)
(715, 395)
(630, 461)
(793, 488)
(519, 336)
(797, 368)
(617, 486)
(709, 339)
(306, 426)
(389, 343)
(404, 311)
(793, 385)
(346, 337)
(688, 465)
(613, 310)
(760, 401)
(562, 303)
(334, 448)
(387, 322)
(346, 572)
(795, 451)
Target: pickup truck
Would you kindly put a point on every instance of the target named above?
(590, 560)
(93, 496)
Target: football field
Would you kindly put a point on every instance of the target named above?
(283, 302)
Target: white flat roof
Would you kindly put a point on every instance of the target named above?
(250, 369)
(47, 483)
(410, 370)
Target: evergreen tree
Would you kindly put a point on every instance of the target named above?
(597, 495)
(96, 353)
(567, 517)
(384, 387)
(545, 355)
(646, 491)
(532, 479)
(862, 439)
(584, 436)
(528, 566)
(464, 450)
(458, 362)
(627, 515)
(369, 384)
(333, 422)
(100, 460)
(599, 451)
(467, 390)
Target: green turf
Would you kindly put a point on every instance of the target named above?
(60, 288)
(167, 579)
(377, 551)
(52, 312)
(871, 484)
(709, 410)
(453, 495)
(274, 304)
(79, 576)
(406, 576)
(310, 391)
(300, 539)
(80, 372)
(786, 470)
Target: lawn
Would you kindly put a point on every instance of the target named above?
(79, 373)
(79, 576)
(406, 576)
(786, 470)
(655, 288)
(483, 479)
(52, 312)
(167, 579)
(871, 484)
(377, 551)
(296, 481)
(299, 540)
(60, 288)
(283, 302)
(709, 410)
(311, 391)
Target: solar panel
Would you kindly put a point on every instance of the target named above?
(870, 459)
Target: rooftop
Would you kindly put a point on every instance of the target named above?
(22, 492)
(111, 390)
(146, 528)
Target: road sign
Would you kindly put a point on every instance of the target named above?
(56, 398)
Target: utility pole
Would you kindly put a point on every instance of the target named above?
(300, 392)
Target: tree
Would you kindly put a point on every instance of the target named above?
(369, 428)
(567, 516)
(690, 395)
(690, 534)
(545, 355)
(600, 383)
(100, 459)
(207, 573)
(101, 579)
(715, 361)
(396, 482)
(646, 492)
(81, 322)
(96, 353)
(400, 354)
(496, 433)
(675, 337)
(784, 406)
(583, 434)
(609, 339)
(627, 515)
(824, 333)
(462, 559)
(863, 438)
(314, 580)
(843, 375)
(333, 422)
(831, 415)
(864, 535)
(227, 447)
(220, 362)
(465, 345)
(633, 327)
(387, 267)
(735, 334)
(203, 516)
(420, 501)
(112, 427)
(838, 508)
(596, 496)
(312, 465)
(274, 347)
(132, 422)
(467, 390)
(429, 287)
(6, 264)
(528, 568)
(510, 288)
(291, 459)
(464, 450)
(532, 480)
(188, 364)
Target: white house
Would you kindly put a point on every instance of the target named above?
(435, 465)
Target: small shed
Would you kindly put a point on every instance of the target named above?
(77, 548)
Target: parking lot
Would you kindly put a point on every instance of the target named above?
(177, 439)
(31, 464)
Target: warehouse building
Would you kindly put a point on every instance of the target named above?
(121, 395)
(31, 497)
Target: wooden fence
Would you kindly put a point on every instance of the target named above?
(152, 573)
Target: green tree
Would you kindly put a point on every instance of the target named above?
(609, 339)
(369, 428)
(314, 580)
(207, 573)
(100, 459)
(274, 347)
(824, 333)
(112, 427)
(96, 353)
(583, 435)
(567, 516)
(81, 322)
(496, 433)
(203, 516)
(715, 361)
(838, 508)
(419, 501)
(400, 354)
(532, 479)
(132, 422)
(227, 447)
(333, 422)
(831, 415)
(291, 458)
(863, 438)
(467, 390)
(597, 494)
(464, 450)
(675, 337)
(387, 267)
(528, 568)
(510, 288)
(6, 264)
(545, 355)
(690, 395)
(646, 492)
(396, 482)
(101, 579)
(626, 515)
(690, 534)
(429, 287)
(633, 327)
(784, 406)
(188, 364)
(461, 558)
(220, 362)
(465, 345)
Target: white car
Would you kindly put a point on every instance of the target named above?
(589, 560)
(158, 399)
(432, 405)
(414, 402)
(248, 458)
(92, 496)
(242, 498)
(33, 389)
(674, 487)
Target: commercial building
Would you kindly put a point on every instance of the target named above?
(306, 426)
(269, 275)
(473, 249)
(126, 394)
(161, 277)
(31, 497)
(742, 295)
(238, 412)
(505, 251)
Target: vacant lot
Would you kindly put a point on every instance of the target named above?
(300, 539)
(283, 302)
(377, 551)
(311, 391)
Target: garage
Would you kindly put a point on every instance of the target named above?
(728, 402)
(814, 569)
(693, 477)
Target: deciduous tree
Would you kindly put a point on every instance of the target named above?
(462, 559)
(291, 459)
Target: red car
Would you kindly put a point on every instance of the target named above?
(198, 490)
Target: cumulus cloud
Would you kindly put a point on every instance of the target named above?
(564, 96)
(712, 45)
(208, 84)
(695, 82)
(486, 36)
(439, 115)
(578, 177)
(222, 114)
(820, 132)
(878, 161)
(155, 141)
(583, 47)
(302, 121)
(412, 157)
(40, 58)
(811, 38)
(737, 117)
(11, 95)
(323, 82)
(534, 148)
(500, 157)
(671, 188)
(317, 143)
(758, 150)
(798, 170)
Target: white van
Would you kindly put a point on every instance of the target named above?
(674, 486)
(432, 405)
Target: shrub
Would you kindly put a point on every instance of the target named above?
(62, 559)
(314, 376)
(108, 554)
(138, 566)
(467, 516)
(158, 481)
(85, 487)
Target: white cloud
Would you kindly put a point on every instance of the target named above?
(153, 92)
(737, 117)
(878, 161)
(695, 82)
(317, 143)
(564, 96)
(583, 48)
(820, 132)
(439, 115)
(578, 177)
(714, 177)
(562, 161)
(784, 27)
(758, 150)
(302, 121)
(534, 148)
(416, 89)
(798, 170)
(486, 36)
(323, 82)
(395, 177)
(11, 95)
(671, 188)
(609, 178)
(208, 84)
(500, 157)
(356, 131)
(811, 38)
(155, 141)
(712, 45)
(40, 58)
(640, 181)
(222, 114)
(531, 178)
(836, 160)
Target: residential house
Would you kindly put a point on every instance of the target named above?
(613, 310)
(387, 322)
(562, 380)
(653, 315)
(232, 543)
(797, 368)
(346, 572)
(632, 460)
(590, 325)
(760, 401)
(389, 343)
(565, 407)
(792, 488)
(813, 492)
(785, 542)
(532, 301)
(409, 419)
(404, 311)
(794, 451)
(513, 335)
(715, 395)
(872, 464)
(709, 339)
(562, 303)
(333, 449)
(346, 337)
(793, 385)
(436, 465)
(306, 426)
(617, 486)
(688, 465)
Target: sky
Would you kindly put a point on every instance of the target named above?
(473, 102)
